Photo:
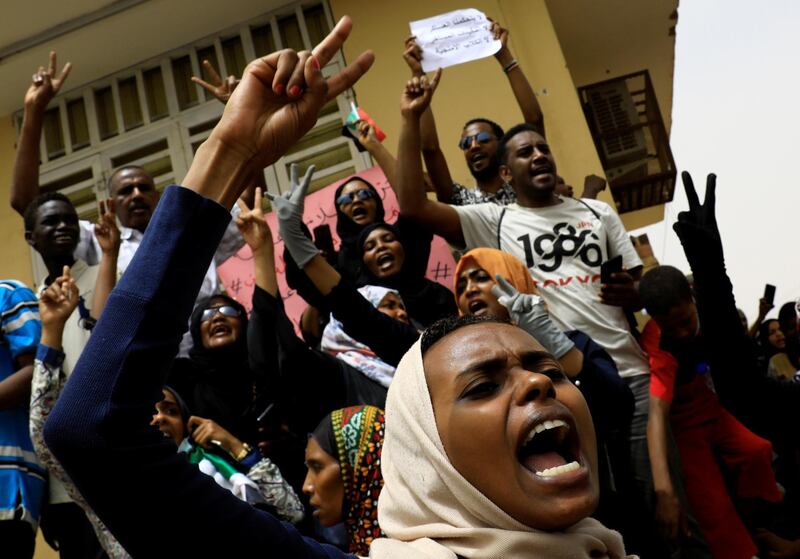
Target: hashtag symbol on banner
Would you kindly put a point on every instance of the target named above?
(441, 271)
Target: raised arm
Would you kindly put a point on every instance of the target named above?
(439, 218)
(385, 160)
(108, 238)
(435, 162)
(523, 92)
(118, 378)
(25, 177)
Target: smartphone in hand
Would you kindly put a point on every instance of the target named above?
(769, 293)
(609, 267)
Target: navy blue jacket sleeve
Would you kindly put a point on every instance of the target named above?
(99, 428)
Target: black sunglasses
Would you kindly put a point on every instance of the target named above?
(481, 137)
(362, 194)
(224, 310)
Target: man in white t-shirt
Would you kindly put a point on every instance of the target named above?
(563, 242)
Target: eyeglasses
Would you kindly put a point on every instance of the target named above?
(362, 194)
(481, 137)
(224, 310)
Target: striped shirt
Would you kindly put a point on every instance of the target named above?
(22, 478)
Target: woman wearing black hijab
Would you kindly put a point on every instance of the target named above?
(387, 260)
(358, 205)
(216, 379)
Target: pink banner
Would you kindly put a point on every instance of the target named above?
(238, 276)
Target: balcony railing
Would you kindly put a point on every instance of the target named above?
(631, 140)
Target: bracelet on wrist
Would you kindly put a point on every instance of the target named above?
(510, 66)
(243, 453)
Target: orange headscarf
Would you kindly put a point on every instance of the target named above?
(497, 262)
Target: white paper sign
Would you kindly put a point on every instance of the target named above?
(455, 37)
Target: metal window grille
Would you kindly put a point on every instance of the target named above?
(153, 115)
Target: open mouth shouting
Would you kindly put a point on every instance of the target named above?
(360, 214)
(550, 449)
(543, 173)
(478, 307)
(220, 329)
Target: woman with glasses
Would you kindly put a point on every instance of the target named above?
(216, 379)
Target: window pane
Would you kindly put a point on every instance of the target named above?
(78, 127)
(263, 41)
(184, 86)
(155, 93)
(316, 23)
(129, 100)
(234, 55)
(290, 32)
(207, 53)
(106, 117)
(139, 153)
(53, 135)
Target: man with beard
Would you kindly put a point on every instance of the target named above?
(479, 137)
(131, 188)
(563, 242)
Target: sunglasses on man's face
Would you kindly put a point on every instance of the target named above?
(363, 194)
(224, 310)
(481, 137)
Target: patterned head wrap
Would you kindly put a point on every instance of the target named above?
(358, 435)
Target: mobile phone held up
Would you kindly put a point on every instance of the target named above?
(769, 293)
(609, 267)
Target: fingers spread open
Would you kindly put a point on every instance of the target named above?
(293, 174)
(204, 84)
(328, 47)
(53, 63)
(350, 75)
(307, 178)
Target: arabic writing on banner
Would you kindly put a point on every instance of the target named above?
(238, 274)
(453, 38)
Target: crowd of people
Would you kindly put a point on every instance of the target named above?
(521, 413)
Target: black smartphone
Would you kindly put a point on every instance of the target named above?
(769, 293)
(323, 239)
(610, 266)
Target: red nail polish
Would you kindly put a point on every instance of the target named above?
(294, 91)
(279, 88)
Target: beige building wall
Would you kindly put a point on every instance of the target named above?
(475, 89)
(15, 262)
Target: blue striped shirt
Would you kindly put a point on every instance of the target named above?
(22, 478)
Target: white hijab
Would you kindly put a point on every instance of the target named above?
(338, 343)
(429, 511)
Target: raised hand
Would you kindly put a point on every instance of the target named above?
(413, 56)
(697, 227)
(279, 98)
(219, 88)
(418, 93)
(252, 225)
(289, 208)
(105, 230)
(500, 33)
(366, 134)
(57, 302)
(517, 303)
(45, 85)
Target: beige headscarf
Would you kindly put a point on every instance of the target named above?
(429, 511)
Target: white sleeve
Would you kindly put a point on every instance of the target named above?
(479, 224)
(88, 248)
(619, 241)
